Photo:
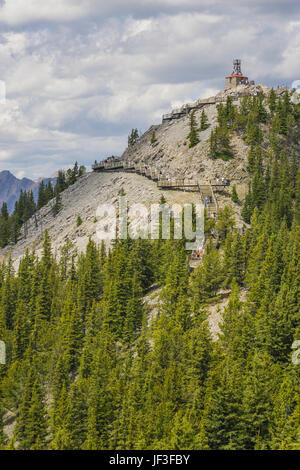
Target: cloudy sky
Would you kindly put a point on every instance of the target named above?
(80, 74)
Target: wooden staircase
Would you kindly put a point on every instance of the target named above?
(209, 199)
(205, 189)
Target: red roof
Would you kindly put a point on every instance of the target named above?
(236, 75)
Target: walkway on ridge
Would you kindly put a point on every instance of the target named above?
(205, 188)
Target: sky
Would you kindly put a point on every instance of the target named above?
(80, 74)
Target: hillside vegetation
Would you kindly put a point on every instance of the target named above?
(88, 367)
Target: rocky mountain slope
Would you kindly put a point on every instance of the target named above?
(83, 198)
(170, 154)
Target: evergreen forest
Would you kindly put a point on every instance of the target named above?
(112, 348)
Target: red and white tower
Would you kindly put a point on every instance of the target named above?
(236, 78)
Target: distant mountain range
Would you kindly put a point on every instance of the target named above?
(10, 188)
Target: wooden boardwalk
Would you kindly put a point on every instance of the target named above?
(206, 188)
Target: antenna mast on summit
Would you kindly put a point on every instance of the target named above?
(237, 67)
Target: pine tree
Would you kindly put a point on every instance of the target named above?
(78, 221)
(134, 312)
(225, 222)
(4, 226)
(153, 138)
(2, 437)
(49, 193)
(286, 416)
(272, 100)
(31, 427)
(61, 184)
(221, 422)
(36, 428)
(234, 195)
(42, 199)
(297, 199)
(22, 329)
(259, 387)
(204, 121)
(133, 137)
(193, 135)
(57, 205)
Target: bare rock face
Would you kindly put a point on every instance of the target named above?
(170, 154)
(83, 198)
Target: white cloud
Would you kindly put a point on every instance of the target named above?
(5, 154)
(16, 12)
(19, 12)
(288, 68)
(80, 74)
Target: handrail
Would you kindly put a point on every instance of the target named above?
(162, 180)
(214, 197)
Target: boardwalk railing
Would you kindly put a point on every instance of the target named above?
(186, 108)
(215, 201)
(205, 188)
(175, 183)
